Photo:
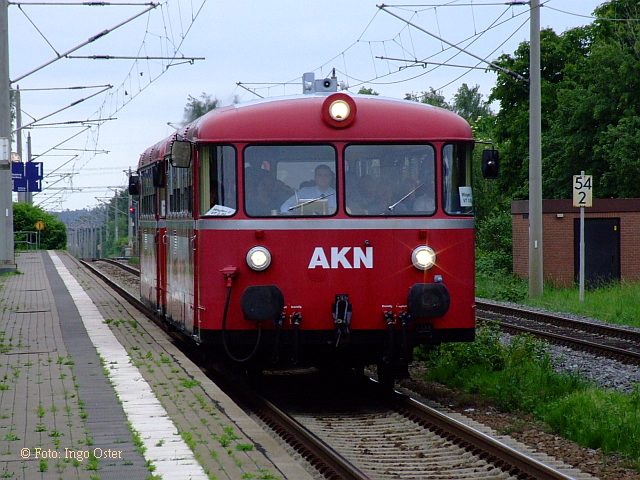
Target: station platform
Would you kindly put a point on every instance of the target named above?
(92, 389)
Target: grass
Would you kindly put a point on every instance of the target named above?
(614, 303)
(520, 377)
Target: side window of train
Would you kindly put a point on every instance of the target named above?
(179, 184)
(147, 193)
(290, 180)
(218, 181)
(383, 180)
(456, 179)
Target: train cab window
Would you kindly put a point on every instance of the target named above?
(390, 180)
(290, 180)
(218, 181)
(456, 178)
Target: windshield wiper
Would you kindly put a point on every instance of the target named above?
(321, 197)
(394, 205)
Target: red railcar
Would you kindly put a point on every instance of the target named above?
(324, 228)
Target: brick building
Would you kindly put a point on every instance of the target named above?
(612, 240)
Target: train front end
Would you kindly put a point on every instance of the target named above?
(323, 229)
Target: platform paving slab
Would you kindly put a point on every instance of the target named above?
(48, 426)
(227, 442)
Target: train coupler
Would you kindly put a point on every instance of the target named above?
(296, 320)
(341, 312)
(390, 320)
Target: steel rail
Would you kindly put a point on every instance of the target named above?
(123, 266)
(502, 312)
(509, 459)
(318, 453)
(557, 319)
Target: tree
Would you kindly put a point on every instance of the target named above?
(432, 97)
(590, 105)
(195, 107)
(367, 91)
(54, 235)
(469, 104)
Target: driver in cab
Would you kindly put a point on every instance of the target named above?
(321, 193)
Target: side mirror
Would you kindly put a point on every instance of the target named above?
(181, 154)
(490, 163)
(134, 185)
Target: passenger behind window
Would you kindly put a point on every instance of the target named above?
(425, 201)
(267, 196)
(307, 199)
(388, 201)
(363, 198)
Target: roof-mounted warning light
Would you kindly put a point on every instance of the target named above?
(311, 85)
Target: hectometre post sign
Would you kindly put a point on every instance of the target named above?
(582, 190)
(582, 197)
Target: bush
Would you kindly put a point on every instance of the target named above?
(520, 376)
(493, 234)
(499, 285)
(516, 376)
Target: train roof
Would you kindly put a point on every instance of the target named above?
(299, 119)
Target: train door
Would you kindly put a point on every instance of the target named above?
(148, 232)
(217, 200)
(179, 248)
(160, 240)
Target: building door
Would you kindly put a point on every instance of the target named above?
(602, 250)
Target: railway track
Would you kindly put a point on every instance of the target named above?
(396, 438)
(390, 437)
(622, 344)
(124, 266)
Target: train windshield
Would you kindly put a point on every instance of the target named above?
(290, 180)
(456, 178)
(390, 180)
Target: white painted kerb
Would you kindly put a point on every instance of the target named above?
(172, 458)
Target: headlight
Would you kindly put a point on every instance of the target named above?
(258, 258)
(423, 257)
(339, 110)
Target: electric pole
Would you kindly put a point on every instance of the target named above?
(7, 254)
(130, 219)
(536, 278)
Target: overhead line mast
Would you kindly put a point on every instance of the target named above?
(536, 258)
(7, 254)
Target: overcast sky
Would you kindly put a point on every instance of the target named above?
(266, 46)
